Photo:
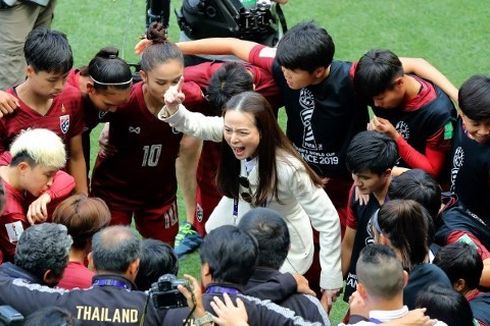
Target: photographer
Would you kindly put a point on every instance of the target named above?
(228, 257)
(110, 301)
(113, 298)
(41, 257)
(157, 259)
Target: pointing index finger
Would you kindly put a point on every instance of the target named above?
(180, 84)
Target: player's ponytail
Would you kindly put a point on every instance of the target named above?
(107, 69)
(108, 53)
(156, 33)
(161, 50)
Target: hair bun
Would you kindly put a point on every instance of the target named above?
(156, 33)
(108, 53)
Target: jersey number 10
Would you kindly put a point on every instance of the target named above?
(151, 155)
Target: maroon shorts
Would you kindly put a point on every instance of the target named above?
(160, 223)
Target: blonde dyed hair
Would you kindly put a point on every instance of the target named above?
(42, 146)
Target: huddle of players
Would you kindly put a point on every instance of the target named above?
(326, 104)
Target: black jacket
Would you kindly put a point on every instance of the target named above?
(260, 312)
(267, 283)
(113, 302)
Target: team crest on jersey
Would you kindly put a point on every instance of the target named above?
(458, 157)
(403, 129)
(458, 160)
(199, 213)
(307, 102)
(369, 228)
(102, 114)
(65, 123)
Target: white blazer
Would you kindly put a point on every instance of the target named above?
(301, 203)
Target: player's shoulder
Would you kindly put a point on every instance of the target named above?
(265, 51)
(342, 69)
(70, 92)
(14, 200)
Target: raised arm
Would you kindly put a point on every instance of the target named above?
(189, 123)
(234, 46)
(194, 124)
(424, 69)
(436, 146)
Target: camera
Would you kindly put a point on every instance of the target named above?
(165, 294)
(10, 316)
(229, 18)
(257, 22)
(264, 4)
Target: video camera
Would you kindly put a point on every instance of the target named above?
(10, 316)
(231, 18)
(165, 294)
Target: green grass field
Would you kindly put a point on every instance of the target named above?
(451, 34)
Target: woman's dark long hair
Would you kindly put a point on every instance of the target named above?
(405, 223)
(272, 138)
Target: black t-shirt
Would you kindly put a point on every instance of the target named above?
(323, 118)
(418, 123)
(269, 284)
(470, 173)
(458, 218)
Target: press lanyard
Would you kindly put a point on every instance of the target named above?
(375, 320)
(235, 210)
(222, 289)
(109, 282)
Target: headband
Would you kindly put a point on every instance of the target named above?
(375, 221)
(112, 84)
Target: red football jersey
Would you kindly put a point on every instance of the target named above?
(197, 80)
(92, 115)
(142, 171)
(73, 77)
(64, 117)
(13, 220)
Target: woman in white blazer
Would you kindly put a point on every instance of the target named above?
(260, 167)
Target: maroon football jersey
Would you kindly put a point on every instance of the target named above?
(13, 220)
(197, 80)
(64, 117)
(142, 171)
